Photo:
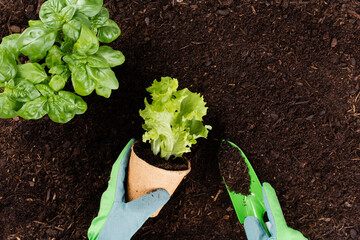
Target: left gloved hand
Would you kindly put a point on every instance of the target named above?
(279, 229)
(118, 219)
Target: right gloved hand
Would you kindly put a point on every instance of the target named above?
(279, 229)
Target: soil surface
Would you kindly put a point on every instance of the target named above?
(143, 151)
(234, 169)
(281, 80)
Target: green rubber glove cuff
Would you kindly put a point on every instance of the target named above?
(279, 228)
(108, 197)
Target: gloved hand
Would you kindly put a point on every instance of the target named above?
(118, 219)
(278, 230)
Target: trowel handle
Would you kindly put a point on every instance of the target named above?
(278, 228)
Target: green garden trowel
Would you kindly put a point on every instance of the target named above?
(252, 204)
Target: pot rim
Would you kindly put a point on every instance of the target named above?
(186, 159)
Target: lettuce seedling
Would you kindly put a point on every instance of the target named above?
(174, 119)
(63, 45)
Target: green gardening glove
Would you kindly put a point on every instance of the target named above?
(118, 219)
(278, 230)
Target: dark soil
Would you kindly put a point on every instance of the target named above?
(234, 169)
(280, 78)
(143, 151)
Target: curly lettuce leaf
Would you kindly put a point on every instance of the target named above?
(163, 90)
(173, 120)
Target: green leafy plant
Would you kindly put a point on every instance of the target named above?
(64, 44)
(174, 119)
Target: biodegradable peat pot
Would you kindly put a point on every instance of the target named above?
(144, 178)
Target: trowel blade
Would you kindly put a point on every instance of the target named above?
(252, 204)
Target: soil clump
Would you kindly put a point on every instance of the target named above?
(143, 151)
(234, 169)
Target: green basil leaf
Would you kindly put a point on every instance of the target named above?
(10, 84)
(50, 13)
(34, 109)
(75, 104)
(66, 45)
(64, 106)
(57, 82)
(45, 90)
(82, 83)
(21, 90)
(34, 23)
(71, 32)
(32, 72)
(34, 42)
(74, 60)
(70, 60)
(100, 18)
(61, 74)
(8, 65)
(59, 69)
(109, 32)
(59, 37)
(65, 75)
(113, 57)
(79, 58)
(54, 56)
(56, 112)
(87, 43)
(10, 42)
(103, 91)
(8, 106)
(68, 12)
(97, 61)
(89, 7)
(72, 28)
(71, 2)
(103, 76)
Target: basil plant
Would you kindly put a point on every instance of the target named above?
(63, 46)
